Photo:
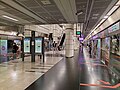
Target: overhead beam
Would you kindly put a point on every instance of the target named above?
(68, 9)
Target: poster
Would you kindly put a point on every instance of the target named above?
(3, 50)
(115, 44)
(38, 45)
(27, 45)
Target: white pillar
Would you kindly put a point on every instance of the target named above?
(69, 42)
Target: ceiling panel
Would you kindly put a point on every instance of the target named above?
(29, 3)
(102, 3)
(99, 6)
(17, 13)
(81, 1)
(46, 11)
(81, 5)
(38, 9)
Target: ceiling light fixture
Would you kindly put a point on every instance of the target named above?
(97, 14)
(115, 7)
(46, 2)
(94, 17)
(118, 3)
(9, 18)
(112, 10)
(105, 17)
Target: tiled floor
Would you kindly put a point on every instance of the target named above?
(17, 75)
(63, 76)
(77, 73)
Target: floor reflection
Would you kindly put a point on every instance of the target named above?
(95, 76)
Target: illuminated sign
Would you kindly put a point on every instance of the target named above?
(81, 39)
(78, 32)
(94, 37)
(38, 45)
(27, 45)
(3, 50)
(114, 27)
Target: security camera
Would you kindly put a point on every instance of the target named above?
(79, 12)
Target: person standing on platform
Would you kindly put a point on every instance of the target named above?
(90, 48)
(15, 48)
(54, 46)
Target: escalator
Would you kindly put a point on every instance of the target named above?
(61, 42)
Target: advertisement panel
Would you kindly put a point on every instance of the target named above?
(38, 45)
(27, 45)
(3, 50)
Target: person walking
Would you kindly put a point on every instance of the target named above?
(90, 48)
(54, 46)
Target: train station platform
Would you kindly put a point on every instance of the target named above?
(58, 73)
(77, 73)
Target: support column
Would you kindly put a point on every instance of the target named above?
(32, 46)
(69, 43)
(22, 48)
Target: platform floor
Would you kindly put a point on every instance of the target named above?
(18, 75)
(77, 73)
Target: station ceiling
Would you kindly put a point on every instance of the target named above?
(40, 12)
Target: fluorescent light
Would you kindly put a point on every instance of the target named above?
(118, 3)
(105, 17)
(80, 13)
(102, 20)
(112, 10)
(10, 18)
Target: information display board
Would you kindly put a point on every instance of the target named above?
(27, 45)
(38, 45)
(114, 27)
(3, 50)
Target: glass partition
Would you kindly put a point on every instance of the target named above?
(115, 53)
